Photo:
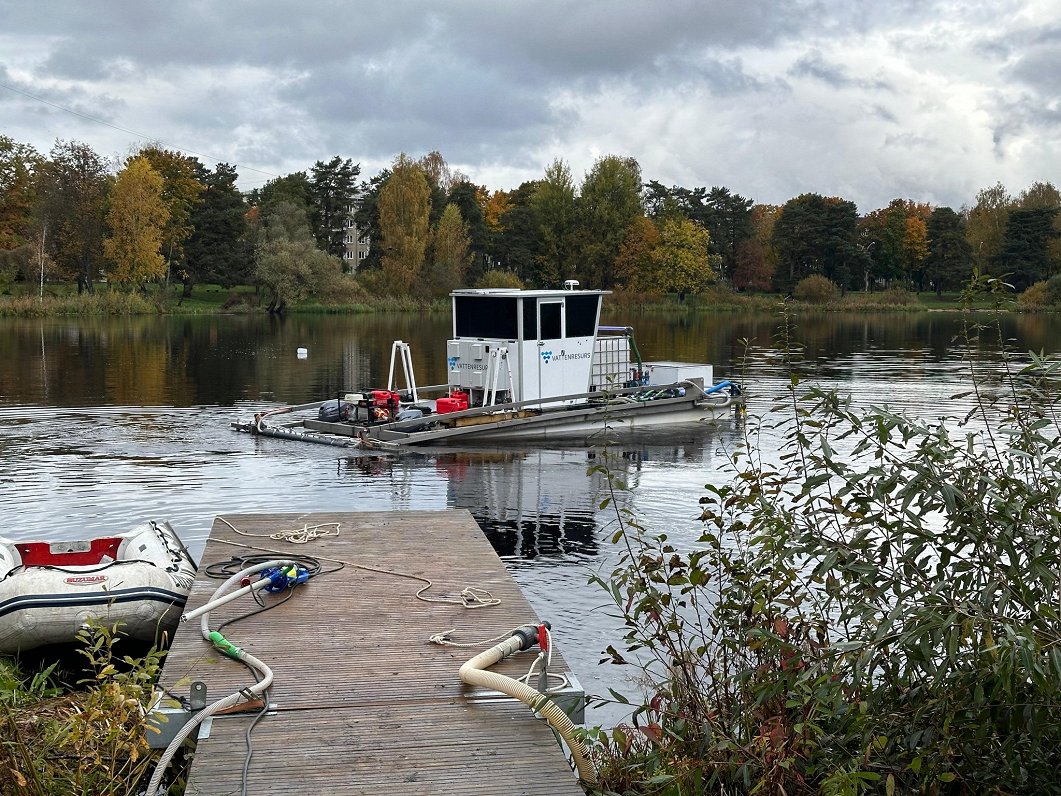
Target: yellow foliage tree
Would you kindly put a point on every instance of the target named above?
(495, 207)
(683, 263)
(404, 221)
(915, 243)
(450, 252)
(137, 219)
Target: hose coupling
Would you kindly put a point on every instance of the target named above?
(528, 635)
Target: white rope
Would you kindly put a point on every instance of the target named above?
(443, 639)
(470, 597)
(307, 533)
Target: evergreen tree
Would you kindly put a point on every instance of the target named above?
(516, 243)
(554, 207)
(332, 191)
(1024, 256)
(817, 235)
(948, 264)
(217, 250)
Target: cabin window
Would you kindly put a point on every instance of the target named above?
(549, 320)
(581, 314)
(530, 319)
(485, 316)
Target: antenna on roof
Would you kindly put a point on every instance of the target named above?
(570, 284)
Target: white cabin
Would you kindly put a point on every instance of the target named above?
(519, 345)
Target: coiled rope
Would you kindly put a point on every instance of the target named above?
(469, 597)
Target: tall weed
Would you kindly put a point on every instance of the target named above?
(876, 609)
(89, 742)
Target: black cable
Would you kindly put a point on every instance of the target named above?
(226, 569)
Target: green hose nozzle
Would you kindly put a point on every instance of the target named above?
(225, 646)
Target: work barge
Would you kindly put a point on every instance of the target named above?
(521, 365)
(362, 700)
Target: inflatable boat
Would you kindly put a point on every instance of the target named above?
(138, 580)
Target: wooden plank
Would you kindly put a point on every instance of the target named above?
(365, 703)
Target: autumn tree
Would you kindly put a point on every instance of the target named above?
(915, 246)
(948, 263)
(450, 252)
(986, 224)
(683, 262)
(756, 258)
(635, 265)
(404, 220)
(610, 201)
(18, 162)
(724, 214)
(553, 204)
(137, 218)
(71, 189)
(442, 179)
(180, 194)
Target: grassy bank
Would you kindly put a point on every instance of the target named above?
(63, 300)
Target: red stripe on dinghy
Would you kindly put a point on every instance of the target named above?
(43, 554)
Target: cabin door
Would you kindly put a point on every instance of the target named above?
(550, 341)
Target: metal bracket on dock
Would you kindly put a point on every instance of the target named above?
(169, 720)
(570, 699)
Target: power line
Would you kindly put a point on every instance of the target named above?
(124, 129)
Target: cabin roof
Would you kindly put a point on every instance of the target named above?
(508, 292)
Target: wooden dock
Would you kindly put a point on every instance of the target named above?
(364, 703)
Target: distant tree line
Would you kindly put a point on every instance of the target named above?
(159, 216)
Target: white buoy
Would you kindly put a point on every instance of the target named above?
(302, 353)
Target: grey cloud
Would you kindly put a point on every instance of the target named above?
(814, 65)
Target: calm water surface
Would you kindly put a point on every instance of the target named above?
(104, 422)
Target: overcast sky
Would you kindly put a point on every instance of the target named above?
(866, 100)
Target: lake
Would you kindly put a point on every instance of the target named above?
(108, 421)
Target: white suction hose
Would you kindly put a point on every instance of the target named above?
(216, 600)
(473, 673)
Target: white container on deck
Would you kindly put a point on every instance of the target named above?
(660, 373)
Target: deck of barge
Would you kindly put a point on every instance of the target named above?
(364, 703)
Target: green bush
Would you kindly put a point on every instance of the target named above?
(877, 612)
(499, 279)
(816, 289)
